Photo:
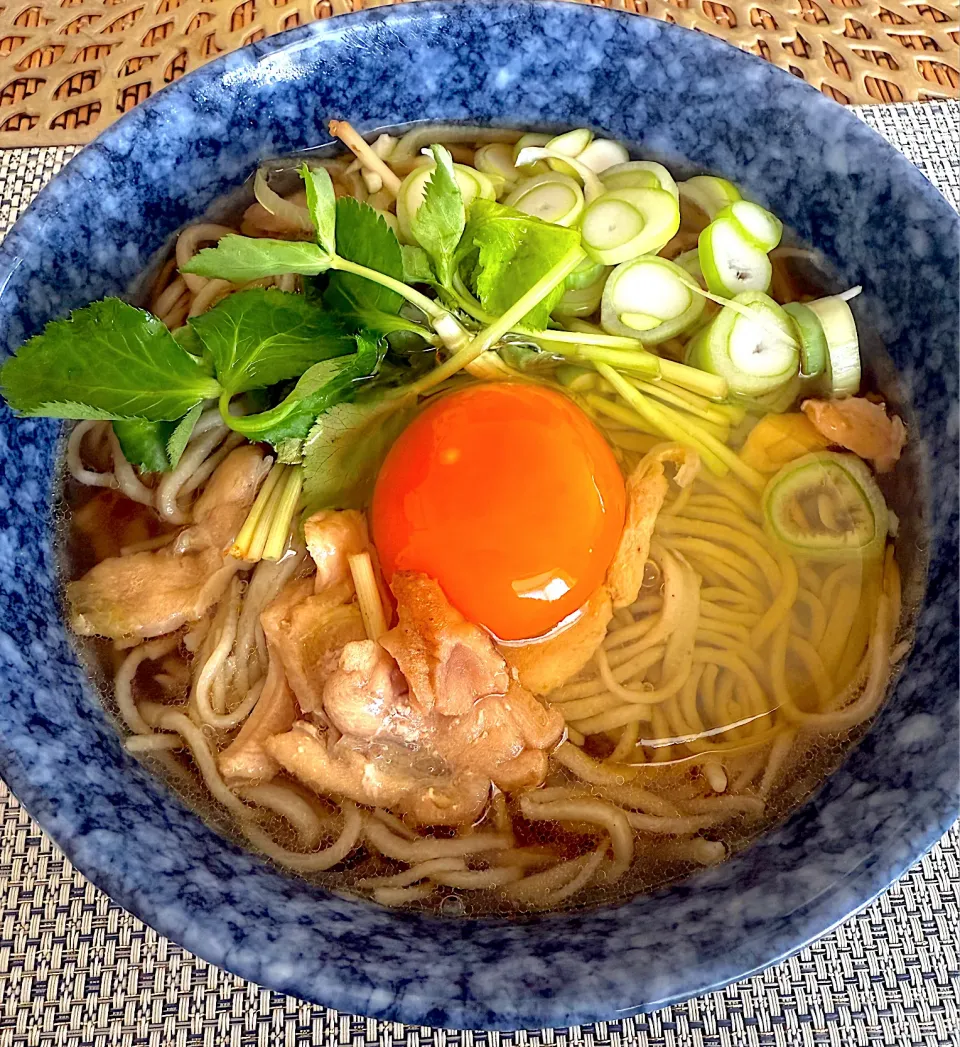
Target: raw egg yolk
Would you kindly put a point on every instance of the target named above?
(507, 495)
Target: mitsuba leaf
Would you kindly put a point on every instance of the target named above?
(416, 265)
(320, 388)
(346, 448)
(322, 205)
(108, 360)
(365, 238)
(439, 221)
(144, 444)
(515, 250)
(156, 447)
(180, 437)
(257, 338)
(243, 258)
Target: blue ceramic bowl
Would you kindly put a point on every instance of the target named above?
(694, 102)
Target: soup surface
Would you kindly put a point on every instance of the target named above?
(509, 531)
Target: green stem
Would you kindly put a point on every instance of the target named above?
(252, 537)
(492, 334)
(610, 341)
(461, 294)
(712, 386)
(641, 362)
(446, 325)
(283, 513)
(427, 306)
(715, 454)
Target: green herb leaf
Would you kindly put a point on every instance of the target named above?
(321, 387)
(345, 450)
(257, 338)
(439, 221)
(416, 265)
(515, 251)
(243, 258)
(144, 444)
(180, 437)
(108, 360)
(365, 238)
(322, 205)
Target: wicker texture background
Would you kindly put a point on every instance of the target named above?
(68, 68)
(77, 971)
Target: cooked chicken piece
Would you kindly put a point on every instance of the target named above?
(147, 594)
(540, 727)
(332, 537)
(647, 487)
(383, 776)
(367, 697)
(448, 662)
(246, 759)
(109, 521)
(860, 426)
(219, 512)
(308, 631)
(546, 664)
(499, 737)
(526, 771)
(151, 593)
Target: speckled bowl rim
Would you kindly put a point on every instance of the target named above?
(460, 1007)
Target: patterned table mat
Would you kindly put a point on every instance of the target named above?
(68, 68)
(78, 971)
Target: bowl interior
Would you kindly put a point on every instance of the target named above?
(667, 91)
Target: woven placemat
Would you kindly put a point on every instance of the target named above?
(68, 68)
(78, 971)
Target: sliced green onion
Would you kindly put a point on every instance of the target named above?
(640, 174)
(550, 197)
(649, 298)
(813, 342)
(602, 154)
(586, 274)
(496, 159)
(592, 186)
(626, 223)
(759, 226)
(731, 262)
(826, 506)
(842, 372)
(776, 402)
(410, 196)
(689, 262)
(524, 142)
(584, 290)
(754, 357)
(571, 143)
(709, 193)
(486, 189)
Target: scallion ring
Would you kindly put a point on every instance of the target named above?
(626, 223)
(709, 193)
(755, 353)
(813, 342)
(732, 262)
(651, 299)
(640, 174)
(842, 371)
(550, 197)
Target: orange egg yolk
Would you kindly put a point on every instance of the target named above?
(507, 495)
